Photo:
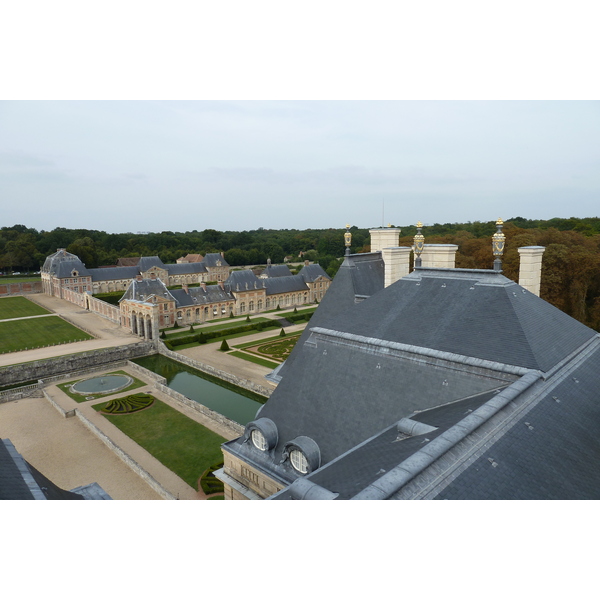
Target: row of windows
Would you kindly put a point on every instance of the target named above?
(297, 457)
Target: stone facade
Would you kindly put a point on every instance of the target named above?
(241, 481)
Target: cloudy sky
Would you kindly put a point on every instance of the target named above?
(234, 165)
(242, 115)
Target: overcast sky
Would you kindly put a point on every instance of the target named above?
(154, 166)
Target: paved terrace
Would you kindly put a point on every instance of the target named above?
(70, 455)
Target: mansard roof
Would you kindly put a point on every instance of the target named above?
(461, 351)
(186, 268)
(312, 272)
(148, 262)
(61, 264)
(240, 281)
(276, 271)
(284, 285)
(140, 291)
(196, 296)
(113, 273)
(214, 259)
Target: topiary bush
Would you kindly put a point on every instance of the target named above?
(224, 346)
(282, 333)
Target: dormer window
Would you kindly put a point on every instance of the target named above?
(258, 439)
(299, 461)
(74, 273)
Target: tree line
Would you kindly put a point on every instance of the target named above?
(571, 262)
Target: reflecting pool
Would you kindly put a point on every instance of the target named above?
(234, 403)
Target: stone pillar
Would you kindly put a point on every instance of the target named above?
(530, 268)
(384, 237)
(439, 256)
(397, 263)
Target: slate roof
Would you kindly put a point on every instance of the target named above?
(128, 261)
(284, 285)
(62, 263)
(212, 258)
(359, 276)
(112, 273)
(186, 268)
(239, 281)
(312, 272)
(473, 313)
(20, 480)
(467, 351)
(197, 296)
(141, 290)
(147, 262)
(276, 271)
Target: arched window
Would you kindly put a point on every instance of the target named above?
(242, 307)
(251, 305)
(260, 305)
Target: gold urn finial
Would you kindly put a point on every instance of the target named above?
(347, 239)
(419, 243)
(498, 242)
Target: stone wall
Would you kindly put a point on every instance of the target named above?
(16, 289)
(66, 365)
(104, 309)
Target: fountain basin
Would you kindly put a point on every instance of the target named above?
(104, 384)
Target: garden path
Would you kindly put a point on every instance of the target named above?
(209, 354)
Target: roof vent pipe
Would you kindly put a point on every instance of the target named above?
(409, 427)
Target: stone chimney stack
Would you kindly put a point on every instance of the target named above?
(306, 263)
(139, 278)
(203, 286)
(439, 256)
(185, 288)
(396, 262)
(530, 268)
(384, 237)
(222, 285)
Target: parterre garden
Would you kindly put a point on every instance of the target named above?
(181, 444)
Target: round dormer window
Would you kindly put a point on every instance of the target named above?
(299, 461)
(258, 439)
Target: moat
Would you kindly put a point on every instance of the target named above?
(235, 403)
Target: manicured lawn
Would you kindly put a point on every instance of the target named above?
(255, 359)
(304, 311)
(37, 333)
(197, 329)
(7, 280)
(178, 442)
(81, 398)
(18, 306)
(256, 343)
(224, 337)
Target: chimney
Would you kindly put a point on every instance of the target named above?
(530, 268)
(397, 263)
(138, 278)
(306, 263)
(152, 275)
(203, 286)
(384, 237)
(222, 254)
(221, 285)
(185, 288)
(439, 256)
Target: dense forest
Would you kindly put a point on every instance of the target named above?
(571, 263)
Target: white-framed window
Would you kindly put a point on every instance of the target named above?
(258, 439)
(260, 305)
(242, 307)
(251, 305)
(299, 461)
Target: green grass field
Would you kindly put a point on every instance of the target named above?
(37, 333)
(7, 280)
(255, 359)
(178, 442)
(18, 306)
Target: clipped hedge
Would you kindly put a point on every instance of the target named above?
(203, 337)
(129, 404)
(209, 483)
